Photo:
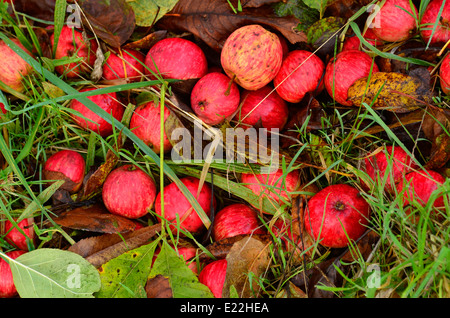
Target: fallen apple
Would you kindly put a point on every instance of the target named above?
(177, 207)
(395, 20)
(336, 215)
(433, 15)
(213, 276)
(7, 287)
(262, 107)
(71, 43)
(128, 191)
(91, 121)
(214, 98)
(343, 70)
(145, 123)
(444, 75)
(176, 58)
(354, 43)
(236, 219)
(66, 165)
(252, 56)
(125, 64)
(300, 73)
(13, 67)
(20, 238)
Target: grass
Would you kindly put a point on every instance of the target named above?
(409, 258)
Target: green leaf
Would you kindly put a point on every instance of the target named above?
(147, 12)
(319, 5)
(53, 273)
(126, 275)
(183, 282)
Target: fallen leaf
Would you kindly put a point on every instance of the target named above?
(146, 42)
(149, 11)
(391, 91)
(213, 21)
(247, 256)
(158, 287)
(94, 218)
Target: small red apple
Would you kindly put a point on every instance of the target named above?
(13, 67)
(300, 73)
(419, 185)
(65, 165)
(236, 219)
(126, 64)
(15, 237)
(213, 276)
(176, 205)
(442, 32)
(353, 42)
(146, 125)
(252, 56)
(336, 214)
(444, 75)
(128, 191)
(395, 21)
(188, 253)
(344, 70)
(276, 185)
(108, 102)
(214, 98)
(264, 107)
(71, 43)
(393, 160)
(176, 58)
(7, 287)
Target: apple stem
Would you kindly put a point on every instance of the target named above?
(227, 92)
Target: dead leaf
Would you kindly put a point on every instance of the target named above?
(391, 91)
(213, 21)
(146, 42)
(40, 9)
(246, 256)
(158, 287)
(94, 218)
(112, 21)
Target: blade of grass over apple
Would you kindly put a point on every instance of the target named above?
(102, 113)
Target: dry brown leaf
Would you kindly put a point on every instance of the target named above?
(158, 287)
(247, 255)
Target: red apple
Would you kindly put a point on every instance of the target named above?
(214, 98)
(252, 56)
(419, 185)
(336, 214)
(128, 191)
(262, 107)
(2, 108)
(392, 160)
(236, 219)
(444, 75)
(188, 252)
(442, 32)
(176, 58)
(7, 287)
(71, 43)
(300, 73)
(13, 67)
(395, 21)
(126, 64)
(344, 70)
(108, 102)
(353, 42)
(65, 165)
(176, 205)
(146, 125)
(15, 237)
(213, 275)
(276, 185)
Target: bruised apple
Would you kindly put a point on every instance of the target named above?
(65, 165)
(300, 73)
(214, 98)
(90, 120)
(128, 191)
(71, 43)
(252, 56)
